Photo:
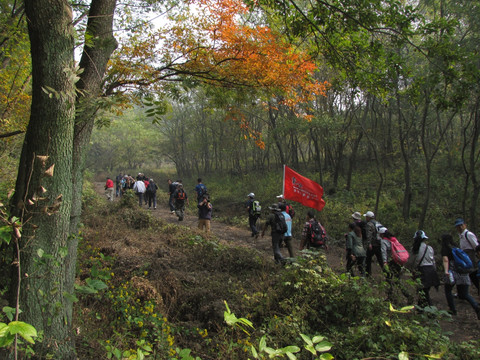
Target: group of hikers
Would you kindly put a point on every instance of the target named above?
(368, 239)
(365, 240)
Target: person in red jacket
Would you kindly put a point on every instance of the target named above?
(109, 190)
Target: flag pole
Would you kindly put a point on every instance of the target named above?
(283, 183)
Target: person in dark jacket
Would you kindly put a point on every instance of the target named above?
(205, 209)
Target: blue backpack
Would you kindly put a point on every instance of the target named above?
(463, 264)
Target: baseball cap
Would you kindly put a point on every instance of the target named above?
(382, 230)
(369, 214)
(421, 234)
(274, 207)
(280, 196)
(252, 195)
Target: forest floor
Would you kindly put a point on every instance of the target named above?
(464, 326)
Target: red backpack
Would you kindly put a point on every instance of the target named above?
(181, 195)
(399, 253)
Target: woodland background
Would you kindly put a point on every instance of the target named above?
(375, 100)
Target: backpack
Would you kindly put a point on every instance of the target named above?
(181, 195)
(151, 188)
(461, 260)
(202, 190)
(290, 211)
(399, 254)
(280, 225)
(317, 234)
(256, 208)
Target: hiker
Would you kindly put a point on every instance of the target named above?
(288, 208)
(424, 263)
(462, 281)
(357, 219)
(287, 237)
(392, 270)
(354, 247)
(278, 227)
(180, 198)
(468, 243)
(372, 242)
(118, 185)
(145, 197)
(204, 213)
(139, 188)
(151, 193)
(254, 210)
(313, 234)
(172, 187)
(109, 190)
(200, 189)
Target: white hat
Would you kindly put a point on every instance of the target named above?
(421, 234)
(251, 195)
(357, 216)
(382, 230)
(280, 196)
(369, 214)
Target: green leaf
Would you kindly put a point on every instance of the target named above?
(326, 356)
(40, 253)
(23, 329)
(307, 339)
(323, 346)
(403, 356)
(96, 284)
(5, 234)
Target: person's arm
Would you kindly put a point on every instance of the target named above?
(384, 252)
(446, 264)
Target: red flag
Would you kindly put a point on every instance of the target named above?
(301, 189)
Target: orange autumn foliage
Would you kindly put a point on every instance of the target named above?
(212, 41)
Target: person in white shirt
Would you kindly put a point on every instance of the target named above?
(424, 263)
(468, 243)
(139, 188)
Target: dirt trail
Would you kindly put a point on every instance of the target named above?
(464, 326)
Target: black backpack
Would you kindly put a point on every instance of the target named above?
(318, 236)
(280, 225)
(151, 188)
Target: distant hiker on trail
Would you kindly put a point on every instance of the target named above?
(204, 213)
(278, 227)
(118, 185)
(313, 234)
(357, 219)
(139, 188)
(180, 198)
(424, 264)
(254, 210)
(288, 208)
(372, 242)
(151, 193)
(468, 243)
(453, 277)
(354, 248)
(109, 190)
(391, 268)
(146, 182)
(287, 237)
(172, 187)
(200, 189)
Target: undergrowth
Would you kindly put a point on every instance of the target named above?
(165, 299)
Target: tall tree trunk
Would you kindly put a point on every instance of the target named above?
(46, 222)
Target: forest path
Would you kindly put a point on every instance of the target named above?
(463, 327)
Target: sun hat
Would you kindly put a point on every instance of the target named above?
(369, 214)
(421, 234)
(459, 221)
(357, 216)
(251, 195)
